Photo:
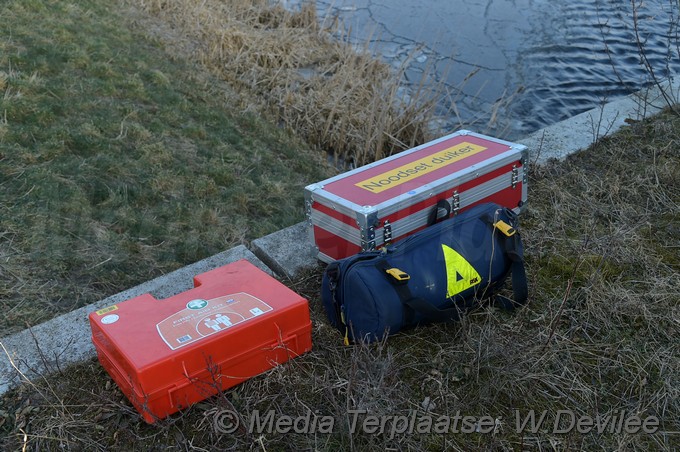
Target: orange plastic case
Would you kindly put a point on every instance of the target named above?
(165, 355)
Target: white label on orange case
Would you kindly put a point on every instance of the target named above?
(202, 318)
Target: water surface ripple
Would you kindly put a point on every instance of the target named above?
(549, 59)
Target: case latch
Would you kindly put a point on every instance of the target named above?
(387, 233)
(515, 176)
(455, 202)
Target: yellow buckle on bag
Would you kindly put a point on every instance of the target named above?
(505, 228)
(398, 274)
(345, 340)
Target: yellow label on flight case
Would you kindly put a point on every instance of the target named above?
(460, 275)
(410, 171)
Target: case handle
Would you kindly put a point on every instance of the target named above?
(434, 215)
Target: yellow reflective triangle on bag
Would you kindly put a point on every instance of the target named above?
(460, 275)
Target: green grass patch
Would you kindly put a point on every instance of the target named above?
(119, 163)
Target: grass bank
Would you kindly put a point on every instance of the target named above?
(598, 338)
(339, 98)
(120, 162)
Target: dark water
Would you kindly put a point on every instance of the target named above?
(535, 62)
(587, 52)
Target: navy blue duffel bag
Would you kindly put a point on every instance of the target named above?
(434, 275)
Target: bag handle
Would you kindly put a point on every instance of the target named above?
(513, 248)
(434, 215)
(399, 280)
(428, 310)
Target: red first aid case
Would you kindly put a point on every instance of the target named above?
(376, 204)
(165, 355)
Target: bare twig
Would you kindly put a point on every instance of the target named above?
(640, 43)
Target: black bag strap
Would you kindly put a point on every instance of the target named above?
(520, 288)
(514, 249)
(431, 312)
(441, 204)
(413, 304)
(333, 274)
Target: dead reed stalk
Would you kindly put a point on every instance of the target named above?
(339, 99)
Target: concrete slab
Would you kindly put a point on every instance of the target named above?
(65, 340)
(287, 251)
(579, 132)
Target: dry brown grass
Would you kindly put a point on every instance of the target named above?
(598, 337)
(342, 101)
